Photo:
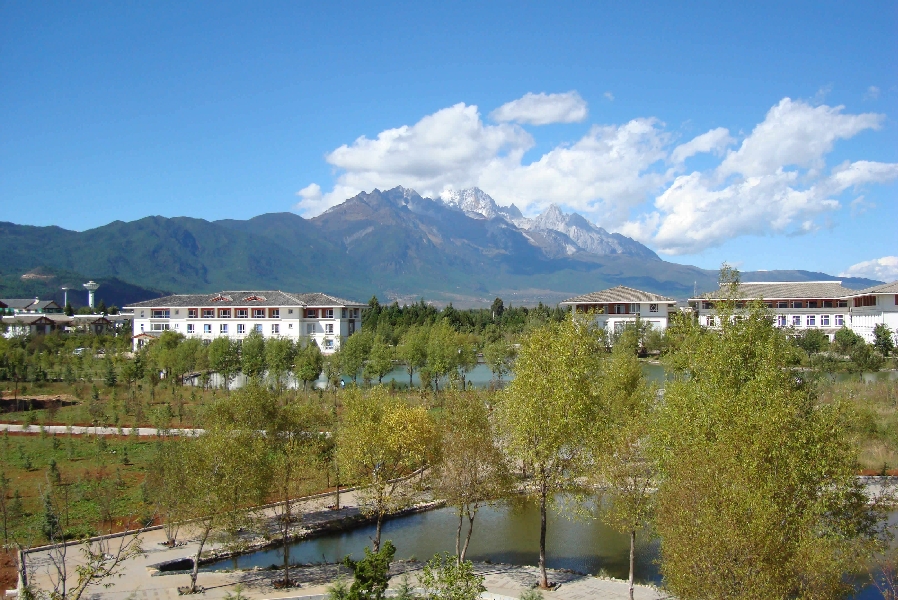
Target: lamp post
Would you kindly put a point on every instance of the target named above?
(65, 293)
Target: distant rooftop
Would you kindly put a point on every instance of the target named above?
(883, 288)
(784, 290)
(246, 298)
(619, 294)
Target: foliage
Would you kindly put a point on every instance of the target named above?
(252, 355)
(552, 414)
(372, 573)
(499, 357)
(812, 341)
(883, 339)
(845, 340)
(784, 517)
(381, 440)
(445, 578)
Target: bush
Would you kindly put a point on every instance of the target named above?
(445, 578)
(372, 573)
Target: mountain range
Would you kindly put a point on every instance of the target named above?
(461, 247)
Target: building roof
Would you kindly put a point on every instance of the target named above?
(248, 298)
(620, 294)
(784, 290)
(884, 288)
(18, 303)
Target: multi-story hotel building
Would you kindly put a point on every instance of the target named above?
(235, 314)
(872, 306)
(824, 305)
(618, 306)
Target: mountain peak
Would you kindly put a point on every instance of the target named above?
(474, 202)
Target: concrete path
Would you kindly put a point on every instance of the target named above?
(82, 430)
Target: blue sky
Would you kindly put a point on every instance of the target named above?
(763, 135)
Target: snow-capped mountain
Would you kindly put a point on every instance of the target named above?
(579, 234)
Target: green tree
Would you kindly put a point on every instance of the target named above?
(442, 351)
(812, 341)
(412, 350)
(782, 517)
(883, 340)
(354, 352)
(380, 360)
(309, 363)
(551, 414)
(499, 357)
(845, 340)
(446, 578)
(224, 359)
(111, 377)
(280, 353)
(372, 573)
(252, 355)
(472, 470)
(380, 441)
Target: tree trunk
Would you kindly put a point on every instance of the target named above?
(196, 560)
(410, 373)
(376, 542)
(286, 545)
(544, 581)
(632, 559)
(461, 517)
(464, 549)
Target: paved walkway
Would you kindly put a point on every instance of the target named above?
(140, 581)
(82, 430)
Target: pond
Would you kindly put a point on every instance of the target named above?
(507, 533)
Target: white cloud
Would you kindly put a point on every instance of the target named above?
(883, 269)
(543, 109)
(860, 205)
(713, 141)
(794, 134)
(609, 96)
(872, 93)
(627, 177)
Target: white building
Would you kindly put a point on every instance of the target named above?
(618, 306)
(824, 305)
(872, 306)
(320, 317)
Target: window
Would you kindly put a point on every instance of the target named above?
(290, 325)
(782, 304)
(223, 328)
(177, 312)
(311, 313)
(224, 313)
(141, 313)
(842, 303)
(258, 313)
(310, 328)
(797, 304)
(343, 313)
(812, 304)
(257, 328)
(208, 313)
(710, 321)
(191, 313)
(275, 329)
(634, 308)
(328, 328)
(328, 313)
(812, 320)
(824, 320)
(289, 311)
(329, 344)
(796, 321)
(706, 306)
(241, 328)
(827, 304)
(160, 327)
(781, 321)
(160, 313)
(274, 313)
(653, 308)
(141, 326)
(840, 320)
(207, 328)
(768, 304)
(242, 313)
(355, 313)
(190, 328)
(620, 309)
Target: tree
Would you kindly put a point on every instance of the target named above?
(444, 578)
(279, 356)
(354, 352)
(252, 355)
(497, 308)
(442, 351)
(882, 339)
(4, 507)
(412, 350)
(226, 468)
(372, 573)
(499, 357)
(380, 441)
(782, 517)
(812, 341)
(380, 360)
(472, 470)
(626, 473)
(845, 340)
(551, 414)
(68, 310)
(224, 359)
(309, 363)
